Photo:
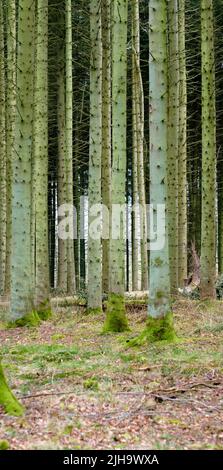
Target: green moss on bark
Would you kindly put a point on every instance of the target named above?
(32, 319)
(7, 399)
(116, 320)
(157, 329)
(93, 311)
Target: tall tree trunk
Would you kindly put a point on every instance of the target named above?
(22, 289)
(208, 230)
(106, 132)
(182, 167)
(10, 128)
(173, 130)
(140, 148)
(135, 154)
(40, 179)
(62, 173)
(160, 317)
(3, 216)
(71, 287)
(116, 319)
(94, 186)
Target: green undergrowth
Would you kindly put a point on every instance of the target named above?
(41, 363)
(32, 319)
(93, 311)
(100, 371)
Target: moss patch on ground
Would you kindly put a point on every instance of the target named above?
(152, 396)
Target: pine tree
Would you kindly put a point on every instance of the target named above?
(106, 133)
(116, 319)
(22, 288)
(160, 316)
(10, 127)
(71, 287)
(94, 185)
(208, 228)
(2, 156)
(40, 178)
(182, 155)
(173, 130)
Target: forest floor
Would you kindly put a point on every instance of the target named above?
(84, 390)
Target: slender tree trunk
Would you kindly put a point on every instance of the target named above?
(62, 173)
(208, 230)
(94, 187)
(116, 319)
(160, 318)
(220, 221)
(135, 154)
(106, 132)
(10, 128)
(3, 205)
(182, 167)
(173, 132)
(71, 287)
(140, 149)
(40, 179)
(22, 291)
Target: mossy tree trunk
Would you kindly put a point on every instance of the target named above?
(40, 178)
(182, 166)
(159, 288)
(106, 131)
(22, 289)
(3, 205)
(94, 186)
(173, 132)
(208, 227)
(7, 400)
(116, 318)
(10, 127)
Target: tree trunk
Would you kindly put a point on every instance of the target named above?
(160, 318)
(182, 167)
(94, 185)
(22, 291)
(106, 133)
(208, 230)
(3, 205)
(40, 180)
(173, 130)
(135, 154)
(116, 319)
(7, 399)
(62, 171)
(71, 287)
(10, 128)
